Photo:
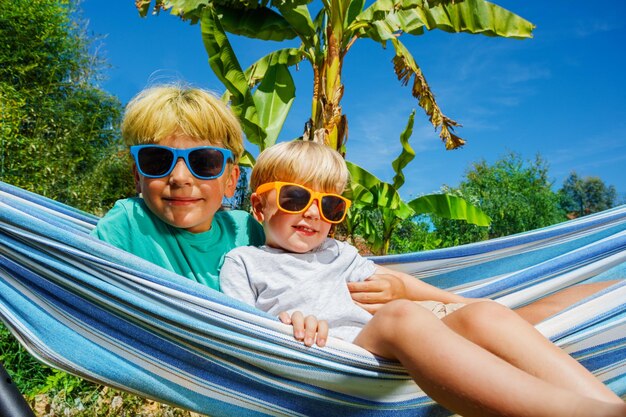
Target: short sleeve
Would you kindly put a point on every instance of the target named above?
(234, 280)
(114, 227)
(246, 230)
(360, 268)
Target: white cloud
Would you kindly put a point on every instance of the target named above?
(374, 140)
(585, 29)
(515, 73)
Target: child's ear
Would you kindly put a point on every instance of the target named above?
(137, 179)
(231, 182)
(257, 207)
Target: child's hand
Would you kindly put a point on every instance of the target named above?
(307, 329)
(376, 291)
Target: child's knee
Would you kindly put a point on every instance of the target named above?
(397, 314)
(391, 326)
(400, 310)
(481, 316)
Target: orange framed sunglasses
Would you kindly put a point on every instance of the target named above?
(295, 198)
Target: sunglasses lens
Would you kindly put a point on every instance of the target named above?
(293, 198)
(155, 161)
(207, 163)
(333, 208)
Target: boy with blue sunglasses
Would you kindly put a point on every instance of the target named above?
(479, 359)
(185, 144)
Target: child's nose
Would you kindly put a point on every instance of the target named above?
(181, 174)
(313, 211)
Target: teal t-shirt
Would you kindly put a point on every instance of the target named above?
(131, 226)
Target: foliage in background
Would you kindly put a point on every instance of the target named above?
(517, 195)
(453, 233)
(56, 127)
(324, 32)
(241, 199)
(414, 235)
(27, 373)
(34, 379)
(581, 196)
(378, 208)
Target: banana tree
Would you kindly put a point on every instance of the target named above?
(262, 94)
(371, 195)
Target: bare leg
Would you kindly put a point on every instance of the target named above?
(505, 334)
(464, 377)
(552, 304)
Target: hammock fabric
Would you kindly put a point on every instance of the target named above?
(90, 309)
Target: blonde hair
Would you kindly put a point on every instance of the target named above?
(307, 163)
(162, 111)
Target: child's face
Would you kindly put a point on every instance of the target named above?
(182, 200)
(297, 233)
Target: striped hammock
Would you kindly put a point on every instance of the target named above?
(83, 306)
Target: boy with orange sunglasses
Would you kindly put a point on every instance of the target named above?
(482, 359)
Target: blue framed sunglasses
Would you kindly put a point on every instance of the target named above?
(204, 162)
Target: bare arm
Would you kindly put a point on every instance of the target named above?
(376, 290)
(387, 285)
(418, 290)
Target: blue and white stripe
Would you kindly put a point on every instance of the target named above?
(86, 307)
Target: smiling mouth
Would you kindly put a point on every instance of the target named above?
(304, 229)
(181, 201)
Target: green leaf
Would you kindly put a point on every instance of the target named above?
(359, 195)
(288, 56)
(354, 9)
(273, 100)
(226, 67)
(407, 155)
(450, 207)
(380, 21)
(476, 17)
(247, 159)
(289, 3)
(370, 233)
(362, 177)
(388, 17)
(384, 194)
(186, 9)
(300, 20)
(262, 23)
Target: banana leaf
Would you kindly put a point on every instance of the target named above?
(450, 207)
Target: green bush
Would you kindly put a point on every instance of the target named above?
(57, 128)
(516, 194)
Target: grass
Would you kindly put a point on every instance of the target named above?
(51, 392)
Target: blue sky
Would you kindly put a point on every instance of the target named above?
(561, 94)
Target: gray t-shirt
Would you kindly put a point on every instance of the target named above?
(313, 282)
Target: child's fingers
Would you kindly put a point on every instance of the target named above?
(366, 286)
(310, 328)
(284, 317)
(370, 308)
(322, 333)
(306, 329)
(297, 321)
(377, 289)
(368, 297)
